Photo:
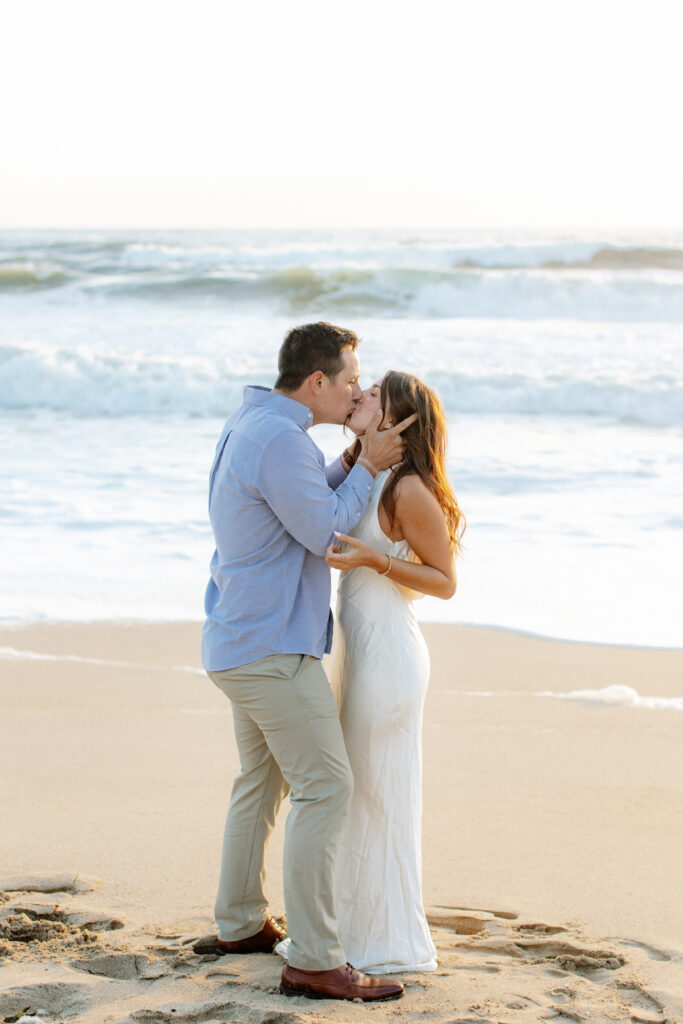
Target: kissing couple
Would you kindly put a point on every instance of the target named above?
(348, 753)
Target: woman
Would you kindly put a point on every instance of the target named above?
(404, 545)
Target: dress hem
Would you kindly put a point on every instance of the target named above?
(428, 965)
(282, 949)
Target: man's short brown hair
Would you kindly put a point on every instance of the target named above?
(309, 348)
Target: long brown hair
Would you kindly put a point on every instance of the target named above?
(425, 447)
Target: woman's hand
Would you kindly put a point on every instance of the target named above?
(356, 555)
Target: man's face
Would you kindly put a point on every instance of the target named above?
(338, 396)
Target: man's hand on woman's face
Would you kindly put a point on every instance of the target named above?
(383, 448)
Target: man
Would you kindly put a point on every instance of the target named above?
(274, 507)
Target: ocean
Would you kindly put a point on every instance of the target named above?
(559, 361)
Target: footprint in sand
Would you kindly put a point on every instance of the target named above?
(653, 952)
(124, 966)
(458, 923)
(480, 968)
(521, 941)
(205, 946)
(507, 915)
(469, 921)
(23, 926)
(570, 957)
(23, 922)
(563, 954)
(643, 1008)
(47, 883)
(628, 999)
(93, 920)
(540, 929)
(229, 1011)
(59, 999)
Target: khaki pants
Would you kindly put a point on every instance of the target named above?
(289, 738)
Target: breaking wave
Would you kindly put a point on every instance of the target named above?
(323, 274)
(610, 257)
(26, 273)
(459, 293)
(83, 383)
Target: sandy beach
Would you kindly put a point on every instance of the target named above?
(553, 831)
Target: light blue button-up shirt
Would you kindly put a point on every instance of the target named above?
(273, 507)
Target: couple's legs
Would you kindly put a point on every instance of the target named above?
(289, 737)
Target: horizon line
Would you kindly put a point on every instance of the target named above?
(556, 228)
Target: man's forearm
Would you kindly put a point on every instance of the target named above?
(298, 489)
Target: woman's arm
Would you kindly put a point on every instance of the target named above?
(421, 521)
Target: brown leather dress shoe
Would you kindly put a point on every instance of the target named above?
(341, 983)
(262, 942)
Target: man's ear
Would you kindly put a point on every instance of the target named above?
(316, 381)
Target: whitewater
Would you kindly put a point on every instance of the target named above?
(559, 360)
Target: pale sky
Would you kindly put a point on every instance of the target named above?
(369, 114)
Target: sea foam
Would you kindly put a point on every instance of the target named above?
(619, 696)
(92, 382)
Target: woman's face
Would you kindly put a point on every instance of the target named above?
(366, 410)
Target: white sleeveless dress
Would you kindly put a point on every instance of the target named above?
(380, 671)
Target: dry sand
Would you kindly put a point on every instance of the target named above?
(553, 835)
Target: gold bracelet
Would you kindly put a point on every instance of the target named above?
(388, 568)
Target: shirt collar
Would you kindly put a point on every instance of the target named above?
(254, 394)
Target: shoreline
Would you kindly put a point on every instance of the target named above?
(128, 623)
(552, 829)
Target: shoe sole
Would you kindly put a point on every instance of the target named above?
(244, 952)
(312, 994)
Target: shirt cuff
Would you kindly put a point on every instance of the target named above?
(336, 473)
(362, 477)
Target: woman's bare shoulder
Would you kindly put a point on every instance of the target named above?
(411, 491)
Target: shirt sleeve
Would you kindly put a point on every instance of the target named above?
(336, 473)
(293, 480)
